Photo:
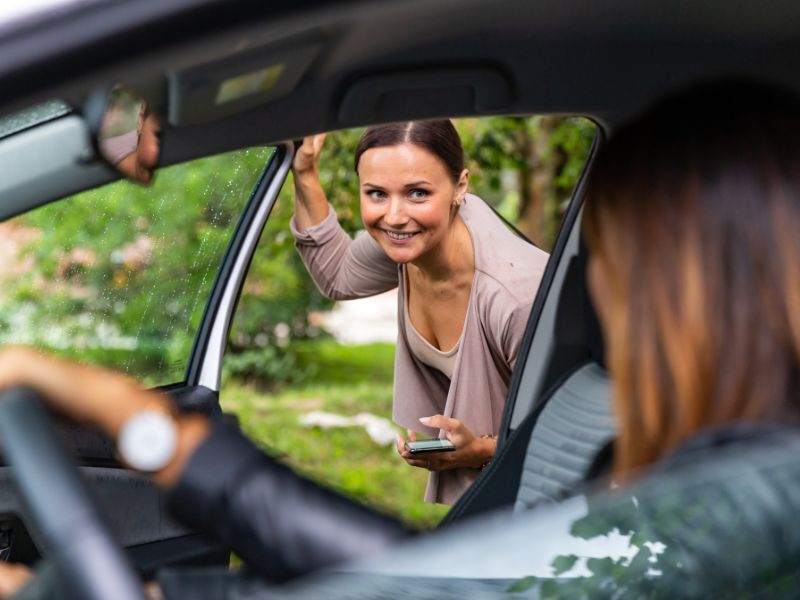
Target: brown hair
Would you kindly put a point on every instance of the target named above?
(440, 138)
(694, 214)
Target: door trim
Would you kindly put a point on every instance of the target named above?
(205, 361)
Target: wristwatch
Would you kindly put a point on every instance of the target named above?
(148, 440)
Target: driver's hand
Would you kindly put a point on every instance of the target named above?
(99, 398)
(153, 591)
(12, 578)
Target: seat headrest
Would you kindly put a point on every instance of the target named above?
(591, 325)
(577, 329)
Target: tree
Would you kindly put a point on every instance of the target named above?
(541, 159)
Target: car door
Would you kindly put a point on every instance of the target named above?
(141, 280)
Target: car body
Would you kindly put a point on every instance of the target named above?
(350, 64)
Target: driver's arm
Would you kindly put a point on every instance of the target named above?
(281, 524)
(218, 481)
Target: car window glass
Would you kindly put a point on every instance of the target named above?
(33, 116)
(312, 379)
(120, 275)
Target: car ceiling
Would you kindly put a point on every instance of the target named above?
(390, 60)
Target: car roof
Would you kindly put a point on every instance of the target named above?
(355, 63)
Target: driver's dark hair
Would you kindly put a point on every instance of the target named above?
(439, 137)
(693, 215)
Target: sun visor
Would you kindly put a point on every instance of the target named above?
(203, 93)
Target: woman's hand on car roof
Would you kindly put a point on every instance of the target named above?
(306, 157)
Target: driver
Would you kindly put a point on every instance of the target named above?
(702, 332)
(217, 480)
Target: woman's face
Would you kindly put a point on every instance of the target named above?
(407, 199)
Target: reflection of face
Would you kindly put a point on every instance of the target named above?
(407, 199)
(139, 165)
(149, 146)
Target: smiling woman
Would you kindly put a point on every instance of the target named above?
(466, 283)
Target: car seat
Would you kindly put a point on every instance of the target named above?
(550, 453)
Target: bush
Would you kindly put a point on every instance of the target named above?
(268, 367)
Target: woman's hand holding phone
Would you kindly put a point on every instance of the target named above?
(471, 451)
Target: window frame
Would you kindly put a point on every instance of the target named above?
(204, 366)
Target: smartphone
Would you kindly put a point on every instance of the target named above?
(423, 446)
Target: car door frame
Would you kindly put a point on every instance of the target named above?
(204, 366)
(134, 508)
(199, 391)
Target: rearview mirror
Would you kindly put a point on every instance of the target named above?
(127, 133)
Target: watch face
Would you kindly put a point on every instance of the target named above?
(148, 440)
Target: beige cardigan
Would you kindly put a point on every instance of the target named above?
(507, 274)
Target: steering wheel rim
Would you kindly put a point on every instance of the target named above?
(59, 510)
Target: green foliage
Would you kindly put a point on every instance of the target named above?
(121, 274)
(269, 365)
(572, 138)
(321, 361)
(562, 564)
(347, 365)
(522, 585)
(503, 152)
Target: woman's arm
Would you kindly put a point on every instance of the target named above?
(341, 267)
(512, 333)
(310, 204)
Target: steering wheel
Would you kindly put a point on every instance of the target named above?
(59, 510)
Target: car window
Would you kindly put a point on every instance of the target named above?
(313, 379)
(120, 275)
(32, 116)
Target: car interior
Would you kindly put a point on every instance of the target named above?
(229, 75)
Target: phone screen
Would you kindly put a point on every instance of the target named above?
(430, 446)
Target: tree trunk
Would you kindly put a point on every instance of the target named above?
(537, 182)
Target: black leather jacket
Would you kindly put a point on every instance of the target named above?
(279, 523)
(714, 519)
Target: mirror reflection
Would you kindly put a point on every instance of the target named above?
(128, 137)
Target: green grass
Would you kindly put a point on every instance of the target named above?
(332, 363)
(347, 380)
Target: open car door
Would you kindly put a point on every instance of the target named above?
(141, 280)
